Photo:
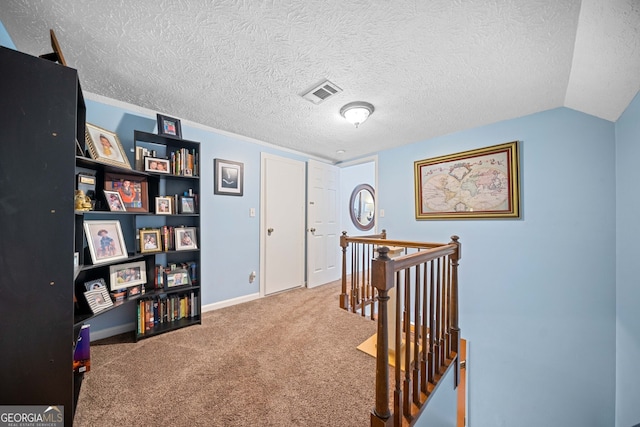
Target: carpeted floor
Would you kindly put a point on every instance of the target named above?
(284, 360)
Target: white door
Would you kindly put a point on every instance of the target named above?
(323, 225)
(282, 203)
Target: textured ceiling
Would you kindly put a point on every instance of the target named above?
(429, 67)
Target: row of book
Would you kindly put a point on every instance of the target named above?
(161, 272)
(182, 161)
(166, 309)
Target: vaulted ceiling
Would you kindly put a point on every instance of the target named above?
(430, 67)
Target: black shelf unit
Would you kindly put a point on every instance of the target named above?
(43, 114)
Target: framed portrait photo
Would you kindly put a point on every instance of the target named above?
(185, 238)
(133, 190)
(187, 205)
(169, 126)
(105, 241)
(163, 206)
(150, 241)
(155, 165)
(114, 201)
(95, 284)
(98, 299)
(127, 275)
(177, 278)
(228, 177)
(105, 147)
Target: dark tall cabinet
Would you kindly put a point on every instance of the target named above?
(41, 113)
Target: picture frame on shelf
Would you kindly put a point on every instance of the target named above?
(164, 205)
(228, 177)
(127, 275)
(87, 183)
(491, 173)
(114, 201)
(133, 189)
(105, 241)
(156, 165)
(187, 205)
(175, 278)
(150, 240)
(95, 284)
(98, 299)
(105, 147)
(134, 292)
(185, 238)
(169, 126)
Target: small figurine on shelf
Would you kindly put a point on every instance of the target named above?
(82, 202)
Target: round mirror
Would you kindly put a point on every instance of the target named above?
(362, 207)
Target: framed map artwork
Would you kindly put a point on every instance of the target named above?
(481, 183)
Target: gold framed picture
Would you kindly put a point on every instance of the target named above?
(150, 240)
(481, 183)
(105, 147)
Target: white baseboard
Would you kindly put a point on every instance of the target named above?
(228, 303)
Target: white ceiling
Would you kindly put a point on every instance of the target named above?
(430, 67)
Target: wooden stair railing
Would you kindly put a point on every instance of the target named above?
(427, 336)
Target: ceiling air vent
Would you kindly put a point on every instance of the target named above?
(321, 92)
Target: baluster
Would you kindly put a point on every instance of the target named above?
(442, 313)
(425, 337)
(447, 302)
(432, 324)
(407, 343)
(397, 393)
(455, 330)
(436, 332)
(417, 319)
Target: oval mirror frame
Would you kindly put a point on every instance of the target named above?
(362, 207)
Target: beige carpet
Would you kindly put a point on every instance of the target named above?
(284, 360)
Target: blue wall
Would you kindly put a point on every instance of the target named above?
(537, 295)
(628, 298)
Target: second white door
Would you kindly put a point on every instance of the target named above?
(323, 226)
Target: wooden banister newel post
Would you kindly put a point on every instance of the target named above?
(344, 296)
(455, 330)
(382, 280)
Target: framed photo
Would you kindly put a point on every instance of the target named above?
(150, 241)
(98, 299)
(177, 278)
(169, 126)
(95, 284)
(163, 205)
(187, 205)
(114, 201)
(133, 190)
(105, 241)
(185, 238)
(134, 291)
(153, 164)
(481, 183)
(105, 147)
(127, 275)
(228, 177)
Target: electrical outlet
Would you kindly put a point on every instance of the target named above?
(252, 212)
(381, 213)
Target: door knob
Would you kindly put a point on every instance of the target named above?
(269, 231)
(313, 230)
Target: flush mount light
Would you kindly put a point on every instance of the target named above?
(357, 112)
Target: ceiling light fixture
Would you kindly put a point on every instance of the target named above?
(357, 112)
